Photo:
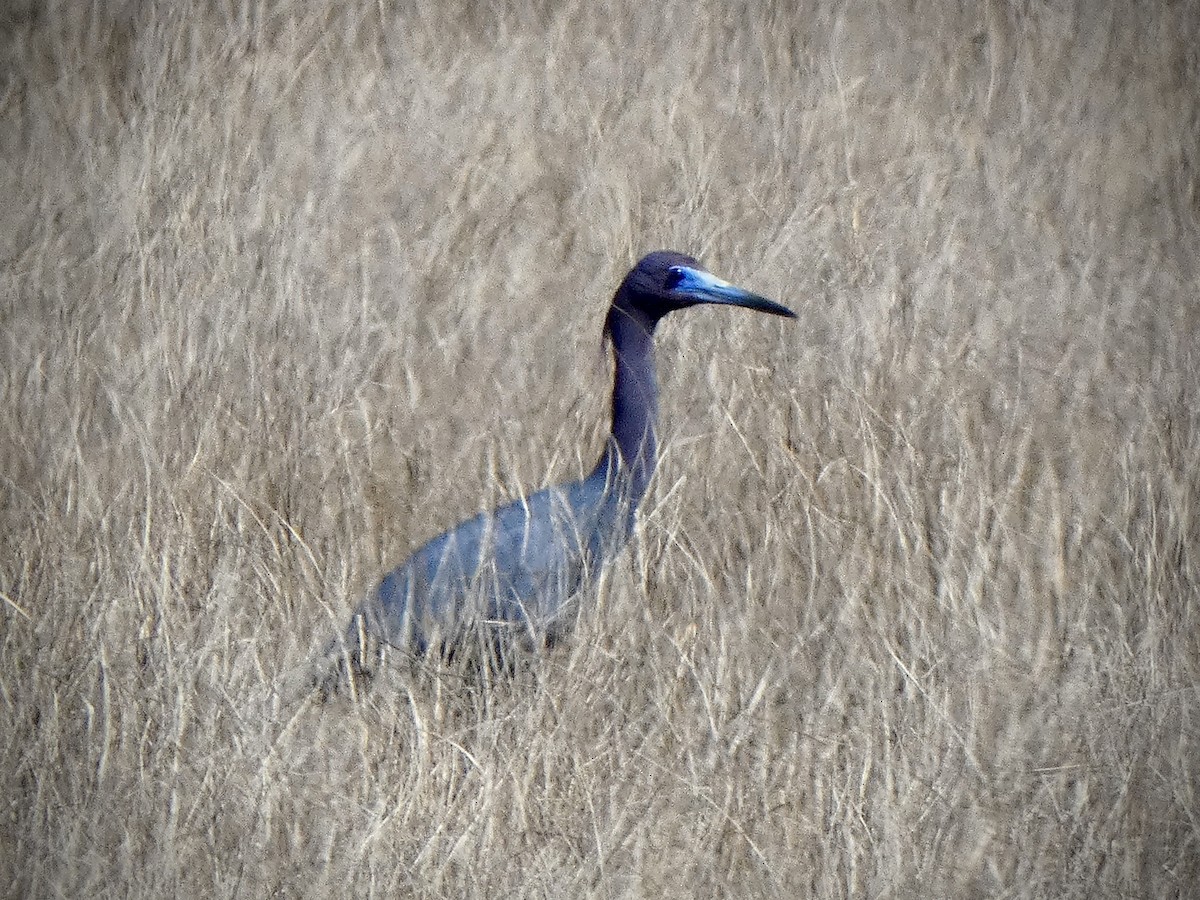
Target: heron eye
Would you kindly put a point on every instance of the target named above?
(674, 276)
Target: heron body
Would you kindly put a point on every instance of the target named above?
(509, 575)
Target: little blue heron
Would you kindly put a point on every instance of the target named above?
(507, 576)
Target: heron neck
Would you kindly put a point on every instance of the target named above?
(634, 401)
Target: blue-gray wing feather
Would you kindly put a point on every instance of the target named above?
(513, 569)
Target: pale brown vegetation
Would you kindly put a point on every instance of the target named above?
(289, 287)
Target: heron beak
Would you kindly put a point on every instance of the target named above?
(699, 286)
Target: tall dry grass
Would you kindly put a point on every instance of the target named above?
(912, 612)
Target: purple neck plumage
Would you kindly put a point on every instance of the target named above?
(634, 401)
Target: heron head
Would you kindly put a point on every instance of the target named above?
(665, 281)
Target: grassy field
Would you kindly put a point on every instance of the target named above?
(913, 606)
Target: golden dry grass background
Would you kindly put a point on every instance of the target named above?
(912, 611)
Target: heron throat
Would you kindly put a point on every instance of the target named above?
(634, 401)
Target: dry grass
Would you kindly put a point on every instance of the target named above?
(913, 611)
